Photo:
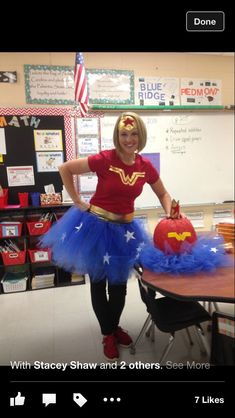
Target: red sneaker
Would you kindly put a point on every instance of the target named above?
(123, 338)
(110, 347)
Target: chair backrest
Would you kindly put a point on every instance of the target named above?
(223, 339)
(142, 288)
(169, 314)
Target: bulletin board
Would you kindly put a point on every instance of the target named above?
(34, 138)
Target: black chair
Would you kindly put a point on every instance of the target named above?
(223, 339)
(170, 315)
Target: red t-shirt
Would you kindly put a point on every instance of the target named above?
(119, 184)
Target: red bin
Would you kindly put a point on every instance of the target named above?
(12, 258)
(38, 228)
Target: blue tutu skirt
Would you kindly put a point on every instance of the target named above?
(82, 242)
(206, 254)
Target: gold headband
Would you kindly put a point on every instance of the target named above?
(128, 123)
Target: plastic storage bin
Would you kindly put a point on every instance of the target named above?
(10, 229)
(35, 198)
(37, 227)
(12, 258)
(23, 199)
(14, 282)
(4, 198)
(40, 281)
(39, 255)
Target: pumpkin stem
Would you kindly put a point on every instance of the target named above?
(175, 209)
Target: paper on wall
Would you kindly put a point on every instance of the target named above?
(2, 141)
(49, 188)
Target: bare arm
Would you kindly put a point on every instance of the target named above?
(67, 171)
(163, 196)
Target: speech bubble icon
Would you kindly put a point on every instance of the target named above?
(79, 399)
(48, 398)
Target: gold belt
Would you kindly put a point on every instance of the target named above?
(110, 216)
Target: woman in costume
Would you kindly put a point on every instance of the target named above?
(102, 238)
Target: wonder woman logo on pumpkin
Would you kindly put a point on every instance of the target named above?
(125, 178)
(181, 236)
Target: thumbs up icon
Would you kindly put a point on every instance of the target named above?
(18, 400)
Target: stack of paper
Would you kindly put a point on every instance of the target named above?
(42, 280)
(78, 278)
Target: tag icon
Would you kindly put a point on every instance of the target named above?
(79, 399)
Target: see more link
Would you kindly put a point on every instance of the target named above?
(188, 365)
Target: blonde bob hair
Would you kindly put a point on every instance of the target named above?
(142, 132)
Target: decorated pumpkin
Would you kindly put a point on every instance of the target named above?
(175, 234)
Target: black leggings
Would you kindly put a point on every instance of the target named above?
(108, 307)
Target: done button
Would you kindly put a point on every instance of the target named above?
(205, 21)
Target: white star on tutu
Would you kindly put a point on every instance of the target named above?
(140, 247)
(214, 250)
(106, 258)
(78, 227)
(63, 236)
(129, 235)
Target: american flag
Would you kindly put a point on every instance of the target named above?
(80, 84)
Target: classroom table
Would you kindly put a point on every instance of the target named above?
(211, 287)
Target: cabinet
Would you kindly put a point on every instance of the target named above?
(25, 266)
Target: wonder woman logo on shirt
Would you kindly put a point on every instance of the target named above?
(126, 179)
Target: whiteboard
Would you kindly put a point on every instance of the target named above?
(196, 156)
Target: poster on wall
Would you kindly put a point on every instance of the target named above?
(88, 183)
(49, 84)
(87, 126)
(49, 161)
(110, 86)
(48, 140)
(203, 92)
(87, 145)
(2, 141)
(87, 136)
(107, 124)
(20, 176)
(158, 91)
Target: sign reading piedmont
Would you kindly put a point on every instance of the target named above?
(194, 91)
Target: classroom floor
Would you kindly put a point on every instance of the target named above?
(58, 325)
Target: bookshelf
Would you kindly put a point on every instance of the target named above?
(25, 266)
